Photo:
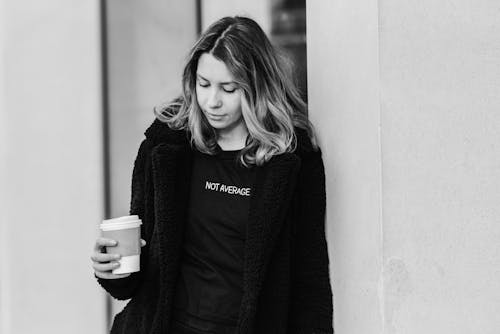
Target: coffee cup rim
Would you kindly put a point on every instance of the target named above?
(121, 219)
(120, 226)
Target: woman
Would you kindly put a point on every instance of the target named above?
(229, 183)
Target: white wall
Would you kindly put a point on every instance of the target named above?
(4, 260)
(440, 103)
(148, 42)
(406, 96)
(51, 179)
(343, 86)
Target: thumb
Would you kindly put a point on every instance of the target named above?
(143, 242)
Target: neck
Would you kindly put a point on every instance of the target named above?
(234, 139)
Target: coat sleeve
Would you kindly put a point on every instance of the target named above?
(311, 304)
(124, 288)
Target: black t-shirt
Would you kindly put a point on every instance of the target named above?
(210, 284)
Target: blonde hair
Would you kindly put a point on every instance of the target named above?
(271, 103)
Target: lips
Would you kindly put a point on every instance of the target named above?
(214, 116)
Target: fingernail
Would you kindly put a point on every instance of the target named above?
(114, 242)
(116, 264)
(117, 256)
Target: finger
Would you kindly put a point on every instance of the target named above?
(109, 275)
(104, 242)
(143, 242)
(104, 257)
(105, 267)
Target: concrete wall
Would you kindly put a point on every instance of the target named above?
(405, 96)
(51, 179)
(148, 42)
(343, 90)
(440, 103)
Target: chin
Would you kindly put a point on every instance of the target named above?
(217, 125)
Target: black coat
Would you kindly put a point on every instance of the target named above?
(286, 285)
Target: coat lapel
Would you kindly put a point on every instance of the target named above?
(269, 202)
(171, 173)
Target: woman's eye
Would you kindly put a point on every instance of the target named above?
(232, 90)
(202, 84)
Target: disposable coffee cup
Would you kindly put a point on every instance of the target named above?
(126, 231)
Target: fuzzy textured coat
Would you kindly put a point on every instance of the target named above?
(286, 283)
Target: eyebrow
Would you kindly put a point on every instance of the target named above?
(222, 83)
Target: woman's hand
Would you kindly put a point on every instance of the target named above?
(104, 263)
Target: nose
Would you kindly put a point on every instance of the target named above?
(214, 100)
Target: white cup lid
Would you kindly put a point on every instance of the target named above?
(120, 219)
(114, 227)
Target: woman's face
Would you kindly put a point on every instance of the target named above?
(218, 96)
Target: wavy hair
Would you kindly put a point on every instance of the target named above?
(271, 104)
